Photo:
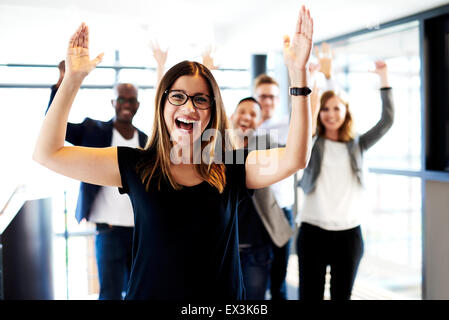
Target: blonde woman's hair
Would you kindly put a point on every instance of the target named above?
(156, 165)
(346, 131)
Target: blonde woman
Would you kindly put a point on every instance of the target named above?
(330, 233)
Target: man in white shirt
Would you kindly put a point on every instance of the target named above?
(110, 211)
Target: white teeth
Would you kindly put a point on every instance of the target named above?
(187, 121)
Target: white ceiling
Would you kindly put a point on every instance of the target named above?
(255, 26)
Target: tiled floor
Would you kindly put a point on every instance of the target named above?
(364, 287)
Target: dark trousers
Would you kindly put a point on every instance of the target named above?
(113, 248)
(318, 248)
(256, 266)
(278, 286)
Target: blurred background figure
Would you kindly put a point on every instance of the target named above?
(330, 232)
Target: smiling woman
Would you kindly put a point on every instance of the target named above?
(333, 185)
(187, 108)
(185, 237)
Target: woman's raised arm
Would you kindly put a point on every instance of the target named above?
(265, 167)
(92, 165)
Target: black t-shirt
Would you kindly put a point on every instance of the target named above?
(251, 228)
(185, 241)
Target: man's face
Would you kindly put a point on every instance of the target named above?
(125, 103)
(245, 117)
(268, 96)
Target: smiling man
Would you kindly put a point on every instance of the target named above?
(262, 224)
(110, 211)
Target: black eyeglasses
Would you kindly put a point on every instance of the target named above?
(178, 98)
(132, 101)
(267, 96)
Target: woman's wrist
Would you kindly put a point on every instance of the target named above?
(384, 83)
(298, 77)
(72, 82)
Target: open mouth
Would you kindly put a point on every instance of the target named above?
(244, 126)
(126, 112)
(185, 124)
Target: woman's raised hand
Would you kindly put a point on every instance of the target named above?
(297, 49)
(78, 63)
(381, 68)
(382, 71)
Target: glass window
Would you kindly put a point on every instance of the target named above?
(25, 108)
(399, 47)
(232, 97)
(141, 77)
(392, 236)
(392, 260)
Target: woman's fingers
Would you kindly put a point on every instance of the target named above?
(307, 22)
(86, 37)
(72, 41)
(74, 38)
(299, 21)
(98, 59)
(304, 20)
(304, 25)
(309, 25)
(80, 38)
(380, 64)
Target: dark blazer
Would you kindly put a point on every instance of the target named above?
(272, 216)
(98, 134)
(90, 133)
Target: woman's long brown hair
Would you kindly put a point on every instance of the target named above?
(157, 165)
(345, 132)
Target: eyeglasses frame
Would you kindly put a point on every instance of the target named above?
(166, 92)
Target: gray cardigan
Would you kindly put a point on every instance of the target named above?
(356, 146)
(272, 216)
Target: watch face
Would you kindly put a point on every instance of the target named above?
(300, 91)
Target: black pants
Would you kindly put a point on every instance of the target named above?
(317, 248)
(278, 286)
(113, 248)
(256, 266)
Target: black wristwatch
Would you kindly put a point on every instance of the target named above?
(294, 91)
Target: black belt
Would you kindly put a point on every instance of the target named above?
(105, 226)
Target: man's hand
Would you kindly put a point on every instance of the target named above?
(159, 55)
(208, 60)
(61, 67)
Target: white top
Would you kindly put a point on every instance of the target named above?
(337, 201)
(110, 206)
(276, 128)
(284, 190)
